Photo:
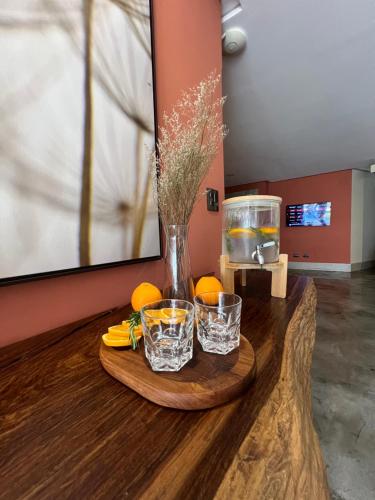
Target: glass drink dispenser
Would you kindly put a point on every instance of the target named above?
(251, 229)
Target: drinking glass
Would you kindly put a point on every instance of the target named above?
(218, 317)
(168, 333)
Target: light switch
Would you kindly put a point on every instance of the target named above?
(212, 200)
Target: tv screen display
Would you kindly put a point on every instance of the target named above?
(309, 214)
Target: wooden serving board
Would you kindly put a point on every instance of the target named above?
(208, 380)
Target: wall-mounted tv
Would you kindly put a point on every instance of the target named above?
(309, 214)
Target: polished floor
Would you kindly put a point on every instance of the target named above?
(343, 381)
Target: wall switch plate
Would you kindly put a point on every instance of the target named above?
(212, 200)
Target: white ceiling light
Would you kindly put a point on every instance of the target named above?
(230, 8)
(234, 41)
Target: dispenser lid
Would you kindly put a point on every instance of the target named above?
(250, 198)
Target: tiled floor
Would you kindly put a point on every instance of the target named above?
(343, 375)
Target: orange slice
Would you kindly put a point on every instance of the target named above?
(241, 232)
(111, 341)
(173, 315)
(123, 331)
(137, 329)
(152, 316)
(153, 313)
(268, 230)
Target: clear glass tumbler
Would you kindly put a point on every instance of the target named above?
(168, 333)
(218, 318)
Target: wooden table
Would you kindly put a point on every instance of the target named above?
(68, 430)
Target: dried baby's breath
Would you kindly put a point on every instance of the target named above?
(188, 143)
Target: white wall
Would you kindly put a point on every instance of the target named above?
(363, 217)
(301, 96)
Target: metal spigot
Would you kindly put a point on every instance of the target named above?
(258, 255)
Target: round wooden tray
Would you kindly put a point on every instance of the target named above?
(208, 380)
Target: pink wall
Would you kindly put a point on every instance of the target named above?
(327, 244)
(188, 47)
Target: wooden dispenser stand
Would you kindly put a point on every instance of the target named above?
(279, 272)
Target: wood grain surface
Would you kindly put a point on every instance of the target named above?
(68, 430)
(208, 380)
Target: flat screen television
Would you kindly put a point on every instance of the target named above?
(309, 214)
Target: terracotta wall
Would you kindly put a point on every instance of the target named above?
(188, 47)
(323, 244)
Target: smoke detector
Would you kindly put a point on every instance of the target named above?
(234, 41)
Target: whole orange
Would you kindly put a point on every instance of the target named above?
(145, 293)
(211, 286)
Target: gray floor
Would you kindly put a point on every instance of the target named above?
(343, 375)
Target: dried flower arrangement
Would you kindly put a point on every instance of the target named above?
(189, 140)
(188, 143)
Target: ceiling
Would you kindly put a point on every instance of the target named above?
(301, 97)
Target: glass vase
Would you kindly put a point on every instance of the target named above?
(178, 283)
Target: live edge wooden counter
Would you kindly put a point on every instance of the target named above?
(68, 430)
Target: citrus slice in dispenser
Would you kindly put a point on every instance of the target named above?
(241, 232)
